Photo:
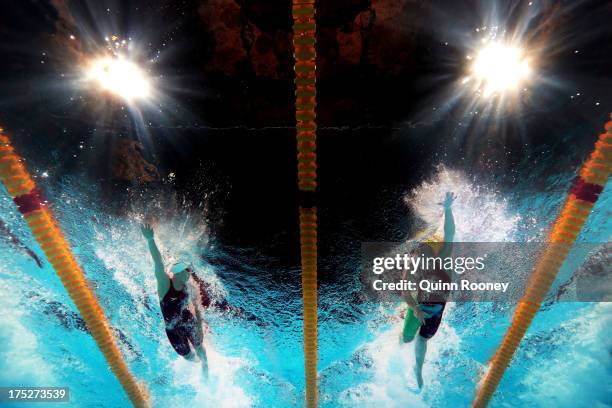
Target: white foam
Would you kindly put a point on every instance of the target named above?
(21, 360)
(481, 215)
(219, 390)
(124, 252)
(393, 382)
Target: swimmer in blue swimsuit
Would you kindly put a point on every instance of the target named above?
(427, 308)
(178, 305)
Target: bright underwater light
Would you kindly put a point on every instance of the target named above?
(120, 77)
(498, 68)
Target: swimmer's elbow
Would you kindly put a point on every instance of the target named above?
(447, 249)
(160, 273)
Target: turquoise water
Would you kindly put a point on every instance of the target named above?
(565, 359)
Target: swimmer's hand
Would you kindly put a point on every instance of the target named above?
(448, 200)
(147, 231)
(419, 314)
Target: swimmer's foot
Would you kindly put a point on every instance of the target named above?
(201, 351)
(413, 387)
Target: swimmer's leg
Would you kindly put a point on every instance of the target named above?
(420, 349)
(191, 356)
(426, 332)
(196, 338)
(180, 342)
(201, 352)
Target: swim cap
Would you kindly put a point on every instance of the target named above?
(431, 238)
(179, 267)
(435, 242)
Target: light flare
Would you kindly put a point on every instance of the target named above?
(498, 68)
(120, 77)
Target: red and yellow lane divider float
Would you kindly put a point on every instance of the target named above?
(304, 39)
(590, 183)
(45, 229)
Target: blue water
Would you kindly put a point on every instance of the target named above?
(565, 359)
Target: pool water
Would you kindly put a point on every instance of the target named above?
(255, 357)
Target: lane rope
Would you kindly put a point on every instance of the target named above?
(589, 184)
(304, 39)
(44, 227)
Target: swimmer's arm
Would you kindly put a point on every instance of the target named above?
(163, 283)
(410, 300)
(198, 315)
(449, 226)
(195, 301)
(35, 257)
(412, 303)
(416, 310)
(406, 295)
(18, 243)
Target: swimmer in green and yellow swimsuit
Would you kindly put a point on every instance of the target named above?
(425, 313)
